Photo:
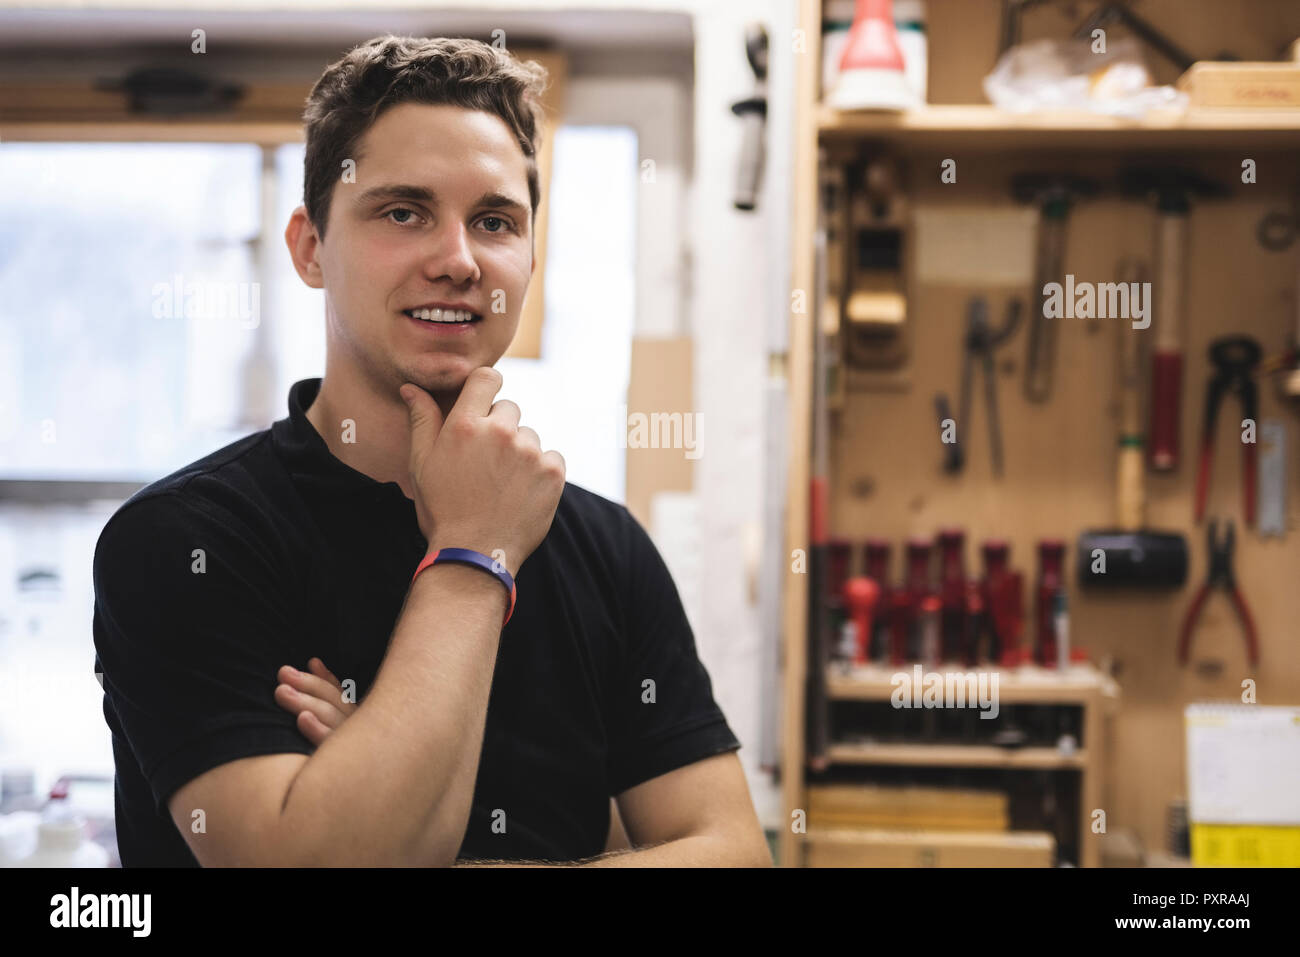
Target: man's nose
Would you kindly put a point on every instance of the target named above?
(451, 255)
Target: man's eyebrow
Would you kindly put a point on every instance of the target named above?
(491, 200)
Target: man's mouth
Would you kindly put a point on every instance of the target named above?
(445, 316)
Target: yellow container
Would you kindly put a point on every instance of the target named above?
(1245, 845)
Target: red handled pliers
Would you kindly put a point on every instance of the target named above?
(1220, 577)
(1235, 360)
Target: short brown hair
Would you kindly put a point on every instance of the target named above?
(381, 73)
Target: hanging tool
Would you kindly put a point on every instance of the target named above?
(1131, 554)
(1054, 195)
(876, 324)
(980, 342)
(1118, 12)
(1220, 576)
(1272, 477)
(753, 113)
(1235, 359)
(1172, 189)
(1012, 11)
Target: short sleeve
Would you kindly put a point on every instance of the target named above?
(191, 624)
(657, 728)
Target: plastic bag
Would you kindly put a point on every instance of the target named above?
(1069, 75)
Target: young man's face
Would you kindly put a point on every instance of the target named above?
(460, 234)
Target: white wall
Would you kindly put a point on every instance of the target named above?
(739, 283)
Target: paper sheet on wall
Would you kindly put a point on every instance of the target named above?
(1243, 764)
(975, 245)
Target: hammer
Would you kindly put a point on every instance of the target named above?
(1171, 189)
(1053, 194)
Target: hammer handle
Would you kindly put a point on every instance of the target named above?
(1167, 358)
(1166, 396)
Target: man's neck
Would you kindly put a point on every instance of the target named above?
(364, 429)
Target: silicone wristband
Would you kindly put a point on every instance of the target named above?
(466, 556)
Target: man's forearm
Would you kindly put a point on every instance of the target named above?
(704, 850)
(394, 783)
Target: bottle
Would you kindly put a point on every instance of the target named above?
(915, 589)
(1061, 622)
(954, 631)
(62, 841)
(1051, 555)
(875, 563)
(909, 21)
(18, 834)
(993, 591)
(839, 555)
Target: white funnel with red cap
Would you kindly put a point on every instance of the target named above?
(871, 68)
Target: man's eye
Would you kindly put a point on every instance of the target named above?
(499, 219)
(400, 209)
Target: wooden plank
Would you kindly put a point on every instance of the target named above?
(1080, 684)
(845, 847)
(954, 756)
(795, 591)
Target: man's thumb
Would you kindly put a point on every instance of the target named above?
(426, 417)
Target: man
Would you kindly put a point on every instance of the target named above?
(486, 707)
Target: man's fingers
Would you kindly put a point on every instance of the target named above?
(316, 685)
(507, 412)
(297, 701)
(312, 728)
(426, 417)
(318, 668)
(530, 437)
(477, 393)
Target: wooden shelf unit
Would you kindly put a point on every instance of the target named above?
(986, 136)
(1081, 685)
(967, 128)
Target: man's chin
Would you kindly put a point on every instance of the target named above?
(440, 383)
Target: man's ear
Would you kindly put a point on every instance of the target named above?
(303, 242)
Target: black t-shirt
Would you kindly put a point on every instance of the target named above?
(272, 551)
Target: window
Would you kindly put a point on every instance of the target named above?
(102, 375)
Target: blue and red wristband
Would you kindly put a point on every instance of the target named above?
(467, 556)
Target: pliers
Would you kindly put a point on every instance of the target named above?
(1235, 358)
(1220, 576)
(979, 343)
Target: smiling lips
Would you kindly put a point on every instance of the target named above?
(450, 316)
